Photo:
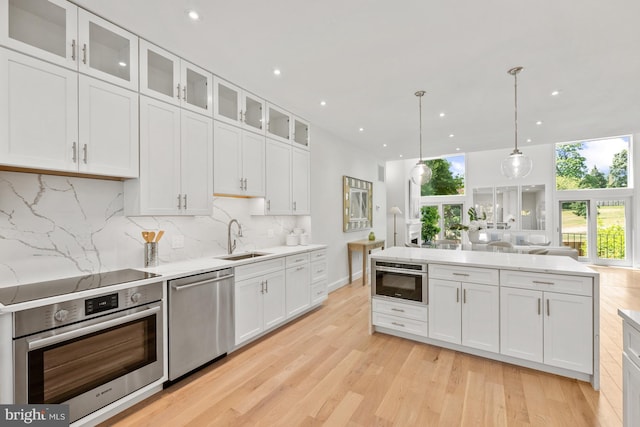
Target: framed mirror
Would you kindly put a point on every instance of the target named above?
(357, 204)
(506, 209)
(533, 207)
(483, 203)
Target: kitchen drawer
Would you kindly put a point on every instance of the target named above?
(299, 259)
(318, 255)
(258, 268)
(319, 292)
(578, 285)
(400, 324)
(486, 276)
(318, 270)
(407, 311)
(632, 343)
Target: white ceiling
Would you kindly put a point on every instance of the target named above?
(366, 58)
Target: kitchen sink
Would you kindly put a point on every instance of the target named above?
(246, 255)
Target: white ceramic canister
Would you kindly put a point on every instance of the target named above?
(292, 239)
(304, 239)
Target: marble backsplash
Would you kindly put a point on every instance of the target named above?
(54, 226)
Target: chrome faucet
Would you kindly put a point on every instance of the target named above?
(231, 247)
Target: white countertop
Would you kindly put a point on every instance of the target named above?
(630, 316)
(510, 261)
(168, 271)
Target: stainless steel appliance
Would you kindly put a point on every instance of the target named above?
(200, 320)
(401, 280)
(89, 352)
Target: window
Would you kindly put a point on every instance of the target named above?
(600, 163)
(447, 178)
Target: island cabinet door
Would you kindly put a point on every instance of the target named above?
(568, 332)
(521, 323)
(444, 310)
(481, 316)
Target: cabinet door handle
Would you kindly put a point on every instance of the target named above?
(241, 184)
(84, 153)
(179, 201)
(268, 205)
(294, 206)
(464, 296)
(397, 309)
(266, 286)
(539, 306)
(242, 117)
(73, 49)
(262, 287)
(398, 324)
(84, 53)
(539, 282)
(185, 201)
(74, 152)
(184, 92)
(245, 184)
(178, 93)
(548, 308)
(458, 295)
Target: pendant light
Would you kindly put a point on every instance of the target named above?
(421, 173)
(517, 165)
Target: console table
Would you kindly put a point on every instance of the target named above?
(366, 246)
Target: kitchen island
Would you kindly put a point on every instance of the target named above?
(536, 311)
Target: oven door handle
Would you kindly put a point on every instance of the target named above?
(405, 272)
(45, 342)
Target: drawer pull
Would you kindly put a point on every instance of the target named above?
(540, 282)
(398, 324)
(299, 268)
(461, 274)
(397, 309)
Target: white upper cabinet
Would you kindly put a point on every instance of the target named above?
(106, 51)
(278, 123)
(278, 177)
(59, 32)
(38, 113)
(47, 29)
(235, 106)
(300, 182)
(171, 79)
(300, 132)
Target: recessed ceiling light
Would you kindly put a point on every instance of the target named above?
(276, 71)
(451, 135)
(384, 145)
(122, 64)
(323, 103)
(400, 155)
(528, 139)
(442, 114)
(457, 148)
(193, 15)
(361, 129)
(539, 122)
(555, 93)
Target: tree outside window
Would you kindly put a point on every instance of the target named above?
(447, 177)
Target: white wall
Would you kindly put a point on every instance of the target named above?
(331, 159)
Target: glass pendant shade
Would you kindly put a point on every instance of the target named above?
(517, 165)
(420, 174)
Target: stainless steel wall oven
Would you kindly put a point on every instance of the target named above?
(404, 280)
(89, 352)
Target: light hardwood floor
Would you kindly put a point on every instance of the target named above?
(325, 369)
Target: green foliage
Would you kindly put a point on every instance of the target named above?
(618, 170)
(566, 183)
(594, 179)
(611, 243)
(473, 215)
(569, 161)
(442, 182)
(429, 218)
(452, 217)
(577, 208)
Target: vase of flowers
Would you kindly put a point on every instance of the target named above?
(476, 223)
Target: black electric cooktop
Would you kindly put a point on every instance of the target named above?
(34, 291)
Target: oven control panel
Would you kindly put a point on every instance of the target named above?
(61, 314)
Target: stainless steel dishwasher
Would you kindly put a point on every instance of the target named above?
(200, 320)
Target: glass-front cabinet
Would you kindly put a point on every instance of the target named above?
(278, 123)
(300, 132)
(59, 32)
(238, 107)
(169, 78)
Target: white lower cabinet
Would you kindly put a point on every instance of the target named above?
(176, 156)
(552, 328)
(464, 313)
(406, 317)
(259, 301)
(298, 284)
(319, 289)
(631, 373)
